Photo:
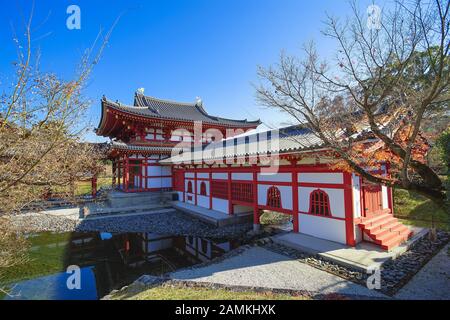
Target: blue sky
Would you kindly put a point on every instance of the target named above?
(174, 49)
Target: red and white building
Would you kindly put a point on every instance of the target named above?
(286, 171)
(150, 130)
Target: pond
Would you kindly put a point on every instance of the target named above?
(106, 262)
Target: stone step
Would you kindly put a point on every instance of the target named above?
(367, 222)
(393, 242)
(383, 224)
(385, 230)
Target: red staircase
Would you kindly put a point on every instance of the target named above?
(385, 230)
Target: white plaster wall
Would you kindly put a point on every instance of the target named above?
(203, 201)
(137, 181)
(220, 205)
(356, 187)
(321, 177)
(242, 176)
(324, 228)
(203, 175)
(154, 171)
(336, 197)
(358, 234)
(276, 177)
(384, 197)
(180, 196)
(189, 175)
(166, 182)
(220, 175)
(286, 195)
(166, 171)
(159, 182)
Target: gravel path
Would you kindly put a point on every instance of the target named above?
(259, 267)
(432, 282)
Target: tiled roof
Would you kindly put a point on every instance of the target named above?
(120, 145)
(285, 140)
(156, 108)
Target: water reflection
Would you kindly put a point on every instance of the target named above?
(110, 261)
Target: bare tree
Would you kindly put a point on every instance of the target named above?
(42, 121)
(382, 82)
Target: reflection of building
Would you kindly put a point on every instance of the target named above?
(192, 248)
(204, 249)
(118, 259)
(148, 131)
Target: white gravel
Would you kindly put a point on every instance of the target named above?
(258, 267)
(432, 282)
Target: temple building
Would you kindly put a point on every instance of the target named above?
(288, 171)
(149, 130)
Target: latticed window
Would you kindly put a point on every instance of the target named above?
(189, 187)
(242, 192)
(319, 203)
(178, 180)
(203, 188)
(219, 189)
(273, 197)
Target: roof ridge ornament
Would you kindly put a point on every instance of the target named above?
(140, 91)
(199, 102)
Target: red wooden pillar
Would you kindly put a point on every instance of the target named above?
(210, 185)
(114, 172)
(348, 207)
(230, 201)
(389, 190)
(195, 186)
(256, 220)
(126, 170)
(295, 200)
(184, 184)
(94, 186)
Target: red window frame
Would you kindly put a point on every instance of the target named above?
(203, 188)
(274, 197)
(319, 203)
(219, 189)
(242, 192)
(189, 187)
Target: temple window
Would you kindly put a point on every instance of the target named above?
(219, 189)
(189, 187)
(203, 188)
(319, 203)
(273, 197)
(242, 192)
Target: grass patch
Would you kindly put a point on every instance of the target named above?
(85, 187)
(46, 256)
(273, 218)
(174, 292)
(417, 210)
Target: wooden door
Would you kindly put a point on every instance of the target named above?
(372, 200)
